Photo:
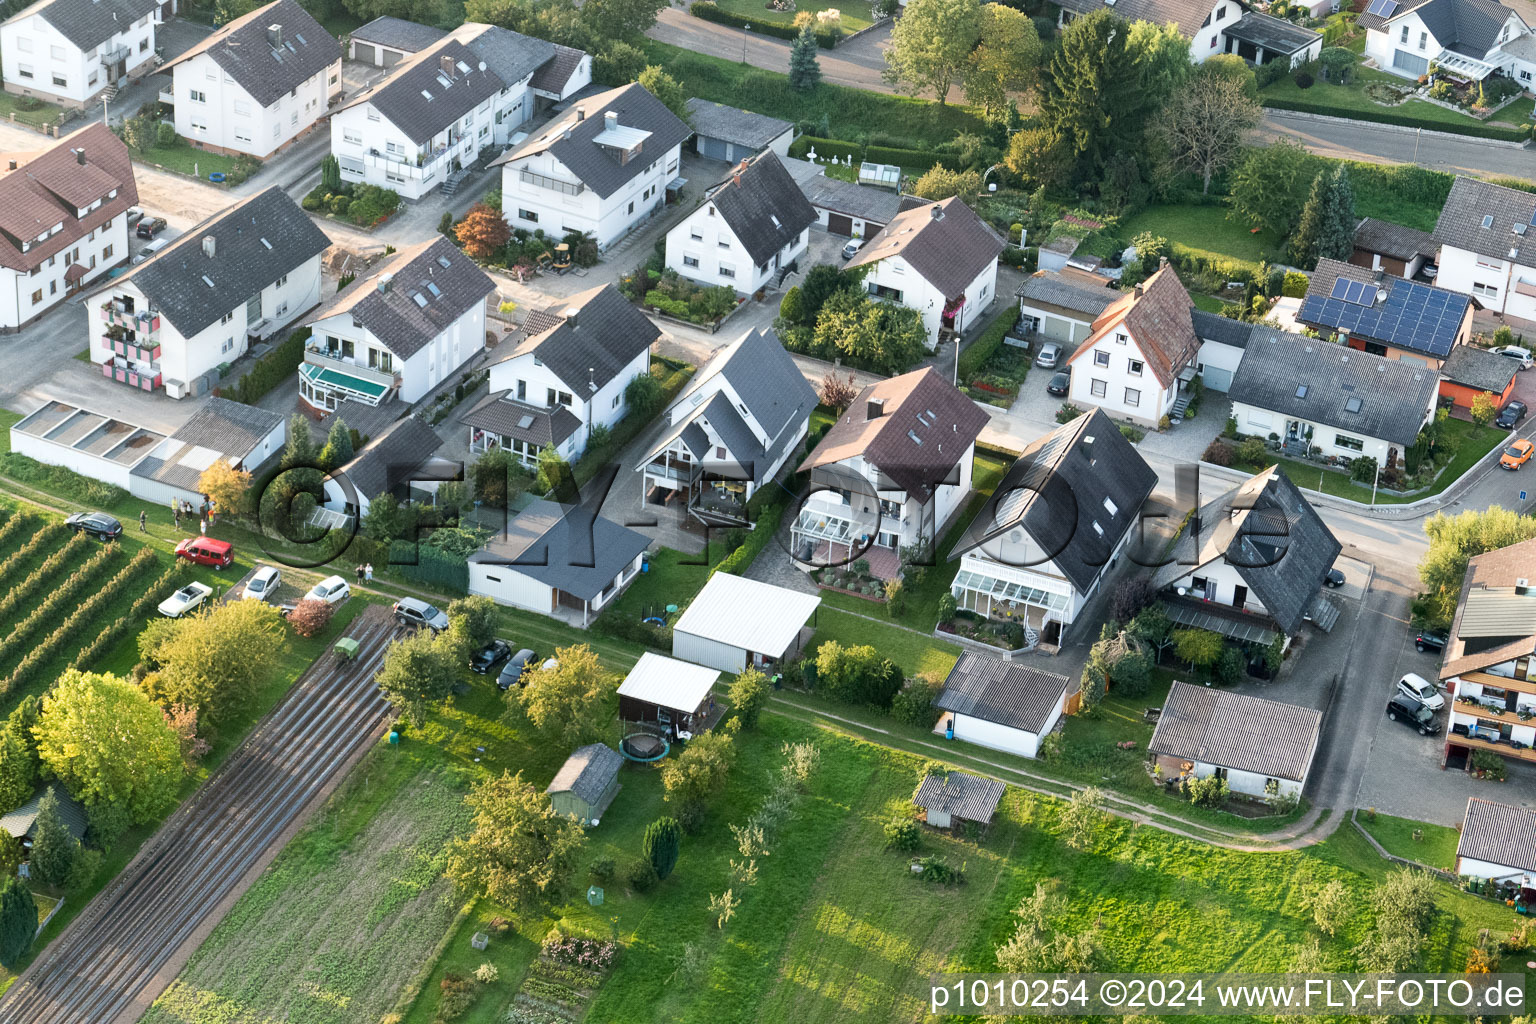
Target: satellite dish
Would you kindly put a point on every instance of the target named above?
(594, 822)
(1181, 591)
(1381, 295)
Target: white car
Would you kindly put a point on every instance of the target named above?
(263, 585)
(1422, 690)
(331, 590)
(1517, 353)
(185, 599)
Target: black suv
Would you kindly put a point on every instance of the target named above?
(1429, 641)
(149, 227)
(1413, 714)
(1511, 414)
(97, 524)
(489, 656)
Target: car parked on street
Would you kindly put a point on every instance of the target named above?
(207, 551)
(1412, 714)
(331, 590)
(489, 656)
(185, 599)
(1422, 690)
(263, 585)
(1429, 640)
(134, 215)
(149, 250)
(1517, 454)
(1059, 384)
(411, 611)
(852, 248)
(1050, 355)
(1512, 413)
(97, 524)
(512, 671)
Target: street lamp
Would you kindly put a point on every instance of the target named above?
(748, 28)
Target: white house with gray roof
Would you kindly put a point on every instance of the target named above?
(399, 330)
(1465, 37)
(1219, 26)
(69, 51)
(1262, 748)
(601, 167)
(236, 278)
(449, 103)
(399, 459)
(1498, 843)
(1487, 238)
(732, 134)
(734, 427)
(258, 83)
(386, 40)
(999, 703)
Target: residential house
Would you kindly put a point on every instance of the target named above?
(669, 696)
(386, 41)
(1392, 248)
(447, 105)
(1054, 528)
(69, 51)
(400, 456)
(558, 560)
(889, 473)
(1223, 341)
(1262, 748)
(1250, 564)
(954, 798)
(734, 623)
(1468, 372)
(258, 83)
(399, 330)
(239, 277)
(244, 436)
(749, 231)
(566, 377)
(732, 429)
(63, 220)
(1003, 704)
(1385, 316)
(587, 783)
(939, 259)
(731, 134)
(1222, 26)
(1486, 667)
(1497, 843)
(1061, 306)
(1464, 37)
(1141, 354)
(1482, 234)
(601, 167)
(1309, 394)
(22, 822)
(844, 208)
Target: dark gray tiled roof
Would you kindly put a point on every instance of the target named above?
(598, 334)
(1469, 27)
(549, 542)
(245, 52)
(877, 206)
(395, 317)
(1271, 535)
(390, 460)
(1393, 240)
(1233, 730)
(403, 96)
(1275, 35)
(945, 242)
(735, 435)
(734, 125)
(763, 207)
(1002, 691)
(1499, 834)
(1048, 288)
(587, 773)
(398, 34)
(569, 138)
(555, 74)
(1410, 315)
(20, 821)
(960, 795)
(1056, 491)
(1184, 15)
(1221, 329)
(510, 55)
(1478, 368)
(230, 428)
(501, 414)
(764, 375)
(89, 23)
(1395, 396)
(256, 241)
(1470, 201)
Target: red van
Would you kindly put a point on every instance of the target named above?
(206, 551)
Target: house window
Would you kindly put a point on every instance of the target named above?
(24, 44)
(1097, 388)
(616, 400)
(143, 44)
(197, 96)
(37, 296)
(695, 234)
(351, 137)
(1423, 40)
(280, 281)
(373, 115)
(242, 108)
(1525, 76)
(1101, 359)
(229, 343)
(726, 270)
(1121, 338)
(527, 215)
(56, 52)
(106, 253)
(1404, 37)
(227, 317)
(1132, 397)
(1134, 366)
(1354, 444)
(631, 206)
(1483, 264)
(691, 261)
(60, 80)
(1487, 291)
(24, 70)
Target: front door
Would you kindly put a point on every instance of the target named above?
(1239, 597)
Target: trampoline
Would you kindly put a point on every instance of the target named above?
(644, 747)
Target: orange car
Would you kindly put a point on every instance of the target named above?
(1517, 454)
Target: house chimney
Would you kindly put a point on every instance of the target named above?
(1162, 263)
(1136, 292)
(1522, 586)
(874, 409)
(591, 378)
(739, 171)
(581, 113)
(275, 36)
(12, 166)
(936, 212)
(385, 281)
(445, 65)
(610, 120)
(79, 158)
(208, 246)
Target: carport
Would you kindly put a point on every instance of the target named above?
(1260, 38)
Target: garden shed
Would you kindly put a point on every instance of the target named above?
(587, 783)
(735, 622)
(997, 703)
(948, 800)
(666, 695)
(21, 822)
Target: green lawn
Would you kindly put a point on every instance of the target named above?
(183, 159)
(1436, 847)
(916, 653)
(1517, 113)
(854, 16)
(1348, 100)
(11, 104)
(1209, 303)
(1203, 229)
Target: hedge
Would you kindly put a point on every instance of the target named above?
(271, 370)
(434, 567)
(594, 458)
(1475, 129)
(986, 346)
(913, 158)
(710, 11)
(767, 525)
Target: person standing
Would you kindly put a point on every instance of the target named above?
(202, 527)
(176, 512)
(143, 517)
(368, 572)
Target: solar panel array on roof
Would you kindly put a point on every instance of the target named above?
(1382, 8)
(1357, 292)
(1412, 316)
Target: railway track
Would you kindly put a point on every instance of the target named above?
(120, 953)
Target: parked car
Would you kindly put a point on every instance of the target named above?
(1427, 640)
(97, 524)
(1050, 355)
(207, 551)
(1512, 413)
(1412, 714)
(1422, 690)
(184, 600)
(512, 671)
(149, 227)
(1517, 454)
(1517, 353)
(331, 590)
(149, 250)
(1333, 578)
(134, 215)
(1060, 383)
(263, 585)
(852, 248)
(410, 611)
(489, 656)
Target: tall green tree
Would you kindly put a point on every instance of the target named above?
(479, 615)
(883, 336)
(662, 839)
(338, 445)
(1093, 102)
(216, 660)
(804, 65)
(520, 852)
(930, 44)
(1162, 60)
(418, 670)
(18, 921)
(53, 846)
(1005, 61)
(571, 702)
(625, 20)
(300, 449)
(1269, 185)
(665, 88)
(18, 768)
(1456, 540)
(385, 519)
(330, 173)
(1327, 228)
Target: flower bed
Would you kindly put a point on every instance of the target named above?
(855, 579)
(1007, 636)
(562, 980)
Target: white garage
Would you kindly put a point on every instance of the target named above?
(997, 703)
(385, 42)
(91, 444)
(1062, 305)
(1498, 843)
(736, 622)
(1222, 343)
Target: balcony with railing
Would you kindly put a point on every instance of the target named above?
(142, 322)
(570, 188)
(1496, 711)
(332, 359)
(145, 377)
(1484, 740)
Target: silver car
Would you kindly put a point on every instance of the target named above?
(263, 584)
(1050, 355)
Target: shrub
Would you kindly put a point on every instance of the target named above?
(1067, 413)
(1295, 285)
(913, 704)
(641, 874)
(601, 869)
(310, 617)
(1206, 792)
(1304, 80)
(1251, 452)
(903, 833)
(985, 347)
(457, 996)
(1218, 453)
